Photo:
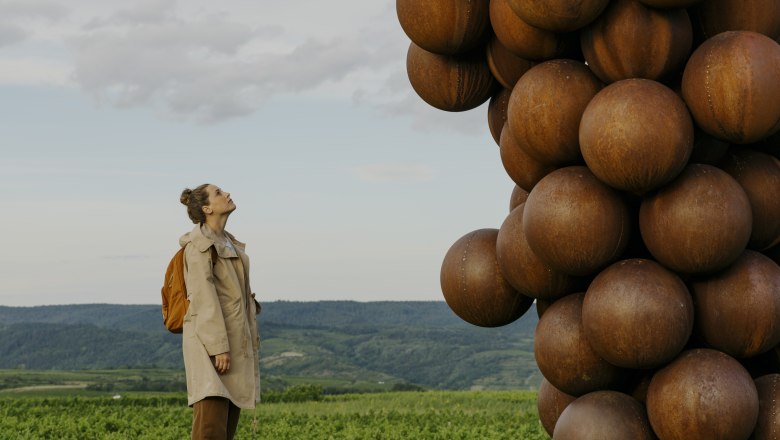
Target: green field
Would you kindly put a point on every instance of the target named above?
(71, 411)
(401, 415)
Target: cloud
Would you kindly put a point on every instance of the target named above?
(32, 9)
(16, 18)
(394, 172)
(149, 11)
(199, 61)
(205, 68)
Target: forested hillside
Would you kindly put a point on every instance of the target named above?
(421, 343)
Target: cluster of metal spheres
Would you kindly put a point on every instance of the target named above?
(643, 139)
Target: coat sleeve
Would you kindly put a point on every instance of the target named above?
(206, 313)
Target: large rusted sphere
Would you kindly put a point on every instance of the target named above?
(636, 135)
(637, 314)
(558, 15)
(564, 355)
(575, 223)
(523, 169)
(768, 424)
(546, 107)
(604, 415)
(523, 269)
(496, 113)
(631, 40)
(738, 309)
(759, 175)
(518, 197)
(521, 38)
(699, 223)
(451, 83)
(731, 86)
(473, 285)
(702, 395)
(505, 66)
(550, 403)
(669, 4)
(444, 26)
(711, 17)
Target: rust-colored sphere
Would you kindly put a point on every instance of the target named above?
(768, 425)
(505, 66)
(711, 17)
(444, 26)
(523, 169)
(518, 197)
(474, 287)
(496, 114)
(546, 107)
(636, 135)
(564, 355)
(604, 415)
(702, 395)
(637, 314)
(523, 269)
(575, 223)
(700, 223)
(759, 175)
(631, 40)
(730, 85)
(524, 40)
(738, 309)
(558, 15)
(669, 4)
(550, 403)
(450, 83)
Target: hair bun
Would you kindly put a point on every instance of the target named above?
(185, 197)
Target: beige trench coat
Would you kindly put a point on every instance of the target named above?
(220, 318)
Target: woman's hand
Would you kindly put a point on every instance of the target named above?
(222, 362)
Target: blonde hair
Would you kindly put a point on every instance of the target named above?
(195, 200)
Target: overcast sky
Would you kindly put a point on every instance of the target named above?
(348, 186)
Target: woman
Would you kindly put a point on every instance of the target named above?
(219, 340)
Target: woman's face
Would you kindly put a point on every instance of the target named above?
(220, 201)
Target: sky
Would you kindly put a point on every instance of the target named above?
(348, 186)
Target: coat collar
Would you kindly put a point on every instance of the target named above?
(202, 238)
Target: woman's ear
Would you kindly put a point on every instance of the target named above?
(206, 210)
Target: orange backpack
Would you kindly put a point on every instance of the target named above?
(174, 292)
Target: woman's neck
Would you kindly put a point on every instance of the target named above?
(217, 224)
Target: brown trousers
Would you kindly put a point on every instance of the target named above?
(214, 418)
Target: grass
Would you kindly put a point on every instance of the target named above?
(72, 405)
(434, 415)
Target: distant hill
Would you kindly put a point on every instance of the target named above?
(421, 343)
